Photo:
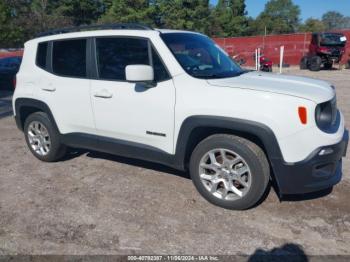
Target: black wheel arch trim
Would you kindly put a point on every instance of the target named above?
(261, 131)
(34, 104)
(235, 126)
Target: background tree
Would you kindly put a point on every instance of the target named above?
(184, 14)
(333, 20)
(44, 16)
(278, 17)
(21, 20)
(10, 35)
(346, 22)
(80, 11)
(312, 25)
(130, 11)
(229, 18)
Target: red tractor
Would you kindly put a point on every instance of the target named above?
(325, 49)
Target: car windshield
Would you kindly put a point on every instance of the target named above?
(200, 56)
(328, 39)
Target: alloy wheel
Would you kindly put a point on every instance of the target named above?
(225, 174)
(39, 138)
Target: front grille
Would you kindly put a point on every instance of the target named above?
(335, 52)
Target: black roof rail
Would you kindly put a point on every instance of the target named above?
(126, 26)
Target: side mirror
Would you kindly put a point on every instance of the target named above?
(139, 74)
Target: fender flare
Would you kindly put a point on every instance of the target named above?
(234, 126)
(31, 103)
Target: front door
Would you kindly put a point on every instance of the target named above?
(128, 111)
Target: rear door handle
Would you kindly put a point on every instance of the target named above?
(49, 88)
(103, 94)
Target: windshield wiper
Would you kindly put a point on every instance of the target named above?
(219, 75)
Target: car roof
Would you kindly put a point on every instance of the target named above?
(124, 29)
(111, 32)
(169, 31)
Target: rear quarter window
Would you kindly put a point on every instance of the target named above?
(41, 55)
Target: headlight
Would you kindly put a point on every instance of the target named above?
(326, 114)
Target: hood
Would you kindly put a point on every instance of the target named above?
(303, 87)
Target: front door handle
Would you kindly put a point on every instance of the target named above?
(103, 94)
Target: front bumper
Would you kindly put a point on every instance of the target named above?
(315, 173)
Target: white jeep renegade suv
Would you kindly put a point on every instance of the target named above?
(176, 98)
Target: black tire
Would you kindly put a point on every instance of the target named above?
(57, 150)
(254, 157)
(315, 63)
(303, 63)
(328, 65)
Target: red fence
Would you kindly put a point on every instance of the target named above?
(295, 46)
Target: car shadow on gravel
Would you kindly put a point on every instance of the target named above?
(308, 196)
(73, 153)
(288, 252)
(272, 187)
(138, 163)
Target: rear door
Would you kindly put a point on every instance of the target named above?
(66, 87)
(129, 111)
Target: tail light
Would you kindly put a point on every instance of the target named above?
(14, 82)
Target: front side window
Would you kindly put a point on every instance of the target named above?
(69, 58)
(160, 72)
(200, 56)
(114, 54)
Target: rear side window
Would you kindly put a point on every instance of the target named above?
(69, 58)
(41, 55)
(114, 54)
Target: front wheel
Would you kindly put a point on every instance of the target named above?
(230, 171)
(315, 63)
(303, 63)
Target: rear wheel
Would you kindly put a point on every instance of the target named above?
(303, 63)
(315, 63)
(229, 171)
(42, 138)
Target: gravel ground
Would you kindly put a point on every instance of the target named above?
(93, 203)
